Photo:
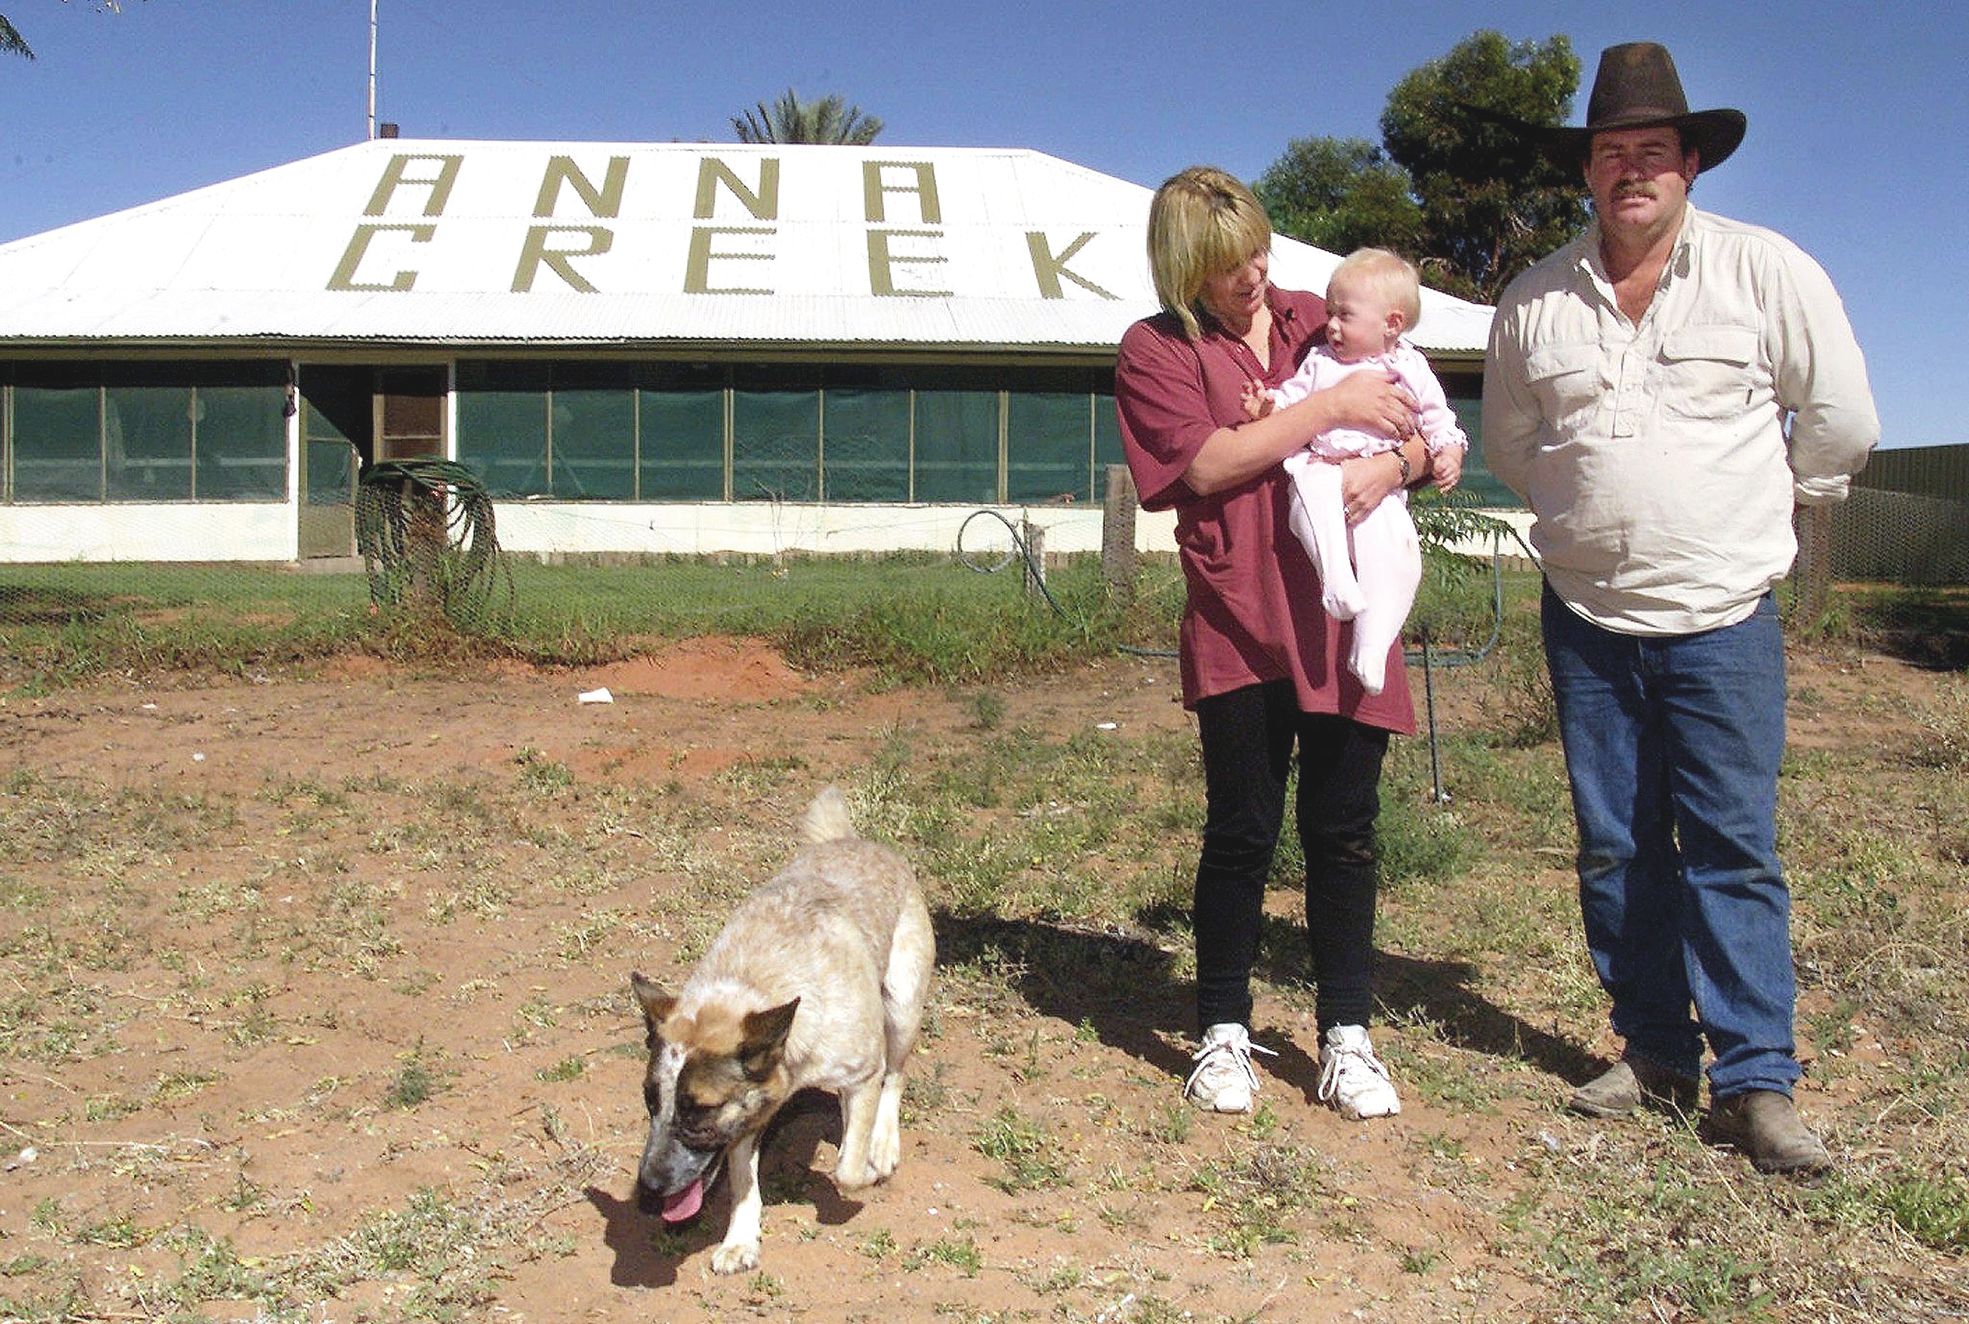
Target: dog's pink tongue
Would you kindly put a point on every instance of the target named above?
(682, 1205)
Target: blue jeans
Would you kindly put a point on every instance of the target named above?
(1672, 746)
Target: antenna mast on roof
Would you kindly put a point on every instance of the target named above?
(372, 68)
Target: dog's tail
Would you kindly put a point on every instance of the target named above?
(827, 818)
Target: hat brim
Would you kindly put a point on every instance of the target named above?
(1713, 134)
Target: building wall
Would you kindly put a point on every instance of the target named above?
(232, 531)
(549, 529)
(582, 457)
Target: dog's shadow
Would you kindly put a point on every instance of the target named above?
(1120, 985)
(648, 1250)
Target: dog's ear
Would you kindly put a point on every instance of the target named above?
(763, 1036)
(656, 1004)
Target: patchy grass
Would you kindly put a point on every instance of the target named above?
(355, 1039)
(1031, 1159)
(908, 617)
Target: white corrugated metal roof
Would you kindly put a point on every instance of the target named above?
(423, 241)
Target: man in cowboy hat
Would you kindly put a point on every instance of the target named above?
(1661, 391)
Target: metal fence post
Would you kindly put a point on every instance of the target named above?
(1813, 568)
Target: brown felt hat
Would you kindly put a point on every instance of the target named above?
(1637, 88)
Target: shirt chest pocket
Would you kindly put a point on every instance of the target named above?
(1568, 382)
(1708, 371)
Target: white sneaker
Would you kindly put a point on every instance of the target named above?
(1352, 1078)
(1224, 1081)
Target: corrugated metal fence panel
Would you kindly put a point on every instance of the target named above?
(1934, 471)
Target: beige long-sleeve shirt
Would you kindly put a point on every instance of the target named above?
(1661, 460)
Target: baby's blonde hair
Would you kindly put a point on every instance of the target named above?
(1202, 222)
(1389, 275)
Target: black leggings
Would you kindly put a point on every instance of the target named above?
(1248, 737)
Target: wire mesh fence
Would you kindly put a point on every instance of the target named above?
(1900, 538)
(1903, 538)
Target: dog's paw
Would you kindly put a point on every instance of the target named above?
(884, 1152)
(735, 1257)
(859, 1177)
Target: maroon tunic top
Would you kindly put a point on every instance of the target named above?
(1253, 612)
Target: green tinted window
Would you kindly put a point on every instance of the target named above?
(57, 443)
(957, 446)
(148, 429)
(653, 431)
(1048, 444)
(683, 445)
(1477, 485)
(1107, 441)
(867, 445)
(1469, 411)
(502, 435)
(775, 445)
(241, 436)
(594, 444)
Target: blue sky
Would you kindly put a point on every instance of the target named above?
(1856, 144)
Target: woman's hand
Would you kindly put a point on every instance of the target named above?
(1366, 481)
(1371, 402)
(1368, 401)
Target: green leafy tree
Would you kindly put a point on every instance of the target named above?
(1469, 199)
(790, 120)
(1341, 194)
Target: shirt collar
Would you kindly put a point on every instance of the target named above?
(1586, 249)
(1693, 225)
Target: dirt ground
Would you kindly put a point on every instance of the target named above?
(321, 893)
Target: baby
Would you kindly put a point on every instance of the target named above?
(1369, 573)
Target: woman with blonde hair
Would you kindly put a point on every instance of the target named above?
(1263, 665)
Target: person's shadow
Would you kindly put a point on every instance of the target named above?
(1117, 982)
(1442, 993)
(648, 1251)
(1925, 627)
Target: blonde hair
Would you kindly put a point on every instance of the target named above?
(1388, 275)
(1202, 222)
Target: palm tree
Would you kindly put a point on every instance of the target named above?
(11, 42)
(791, 120)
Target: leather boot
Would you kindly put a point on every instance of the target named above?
(1764, 1125)
(1631, 1082)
